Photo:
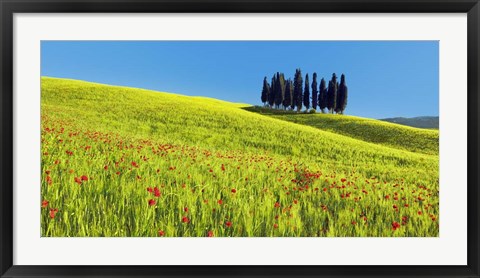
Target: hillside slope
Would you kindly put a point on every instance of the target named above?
(217, 168)
(420, 122)
(176, 119)
(369, 130)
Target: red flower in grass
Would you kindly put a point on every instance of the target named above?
(234, 190)
(419, 212)
(220, 202)
(105, 167)
(161, 233)
(387, 197)
(134, 164)
(185, 209)
(53, 212)
(228, 224)
(275, 226)
(157, 192)
(150, 190)
(344, 180)
(185, 219)
(78, 180)
(395, 225)
(210, 234)
(84, 178)
(277, 204)
(151, 202)
(44, 203)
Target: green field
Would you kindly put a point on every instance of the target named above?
(120, 161)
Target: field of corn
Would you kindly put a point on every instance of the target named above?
(126, 162)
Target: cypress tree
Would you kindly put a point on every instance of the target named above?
(271, 96)
(298, 82)
(280, 87)
(306, 93)
(287, 100)
(322, 96)
(265, 91)
(292, 93)
(342, 95)
(332, 94)
(314, 91)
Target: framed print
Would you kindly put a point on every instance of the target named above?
(239, 138)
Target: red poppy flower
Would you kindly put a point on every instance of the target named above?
(185, 219)
(161, 233)
(228, 224)
(220, 202)
(53, 212)
(295, 201)
(151, 202)
(234, 190)
(105, 167)
(44, 203)
(157, 192)
(395, 225)
(78, 180)
(185, 209)
(150, 190)
(324, 189)
(134, 164)
(344, 180)
(210, 234)
(387, 197)
(277, 204)
(419, 212)
(275, 226)
(84, 178)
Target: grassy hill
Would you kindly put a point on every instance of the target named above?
(221, 170)
(420, 122)
(370, 130)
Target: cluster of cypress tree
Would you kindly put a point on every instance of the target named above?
(291, 95)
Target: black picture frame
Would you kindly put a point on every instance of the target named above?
(9, 7)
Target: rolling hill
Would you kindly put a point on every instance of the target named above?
(420, 122)
(218, 168)
(369, 130)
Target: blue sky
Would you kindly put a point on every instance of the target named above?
(384, 78)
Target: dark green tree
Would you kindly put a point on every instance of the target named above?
(306, 93)
(332, 93)
(298, 84)
(265, 91)
(287, 100)
(314, 91)
(271, 96)
(280, 87)
(322, 96)
(292, 93)
(342, 96)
